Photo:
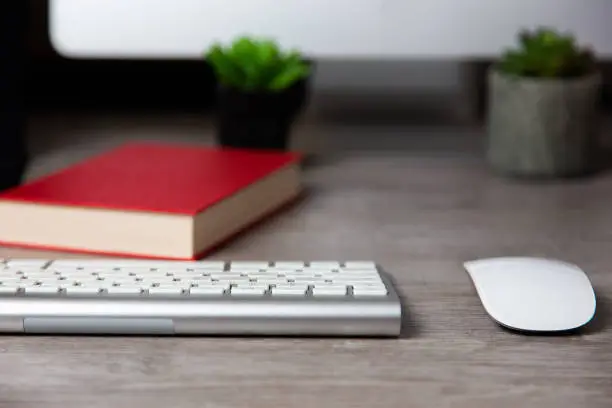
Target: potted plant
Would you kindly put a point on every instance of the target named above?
(543, 107)
(262, 89)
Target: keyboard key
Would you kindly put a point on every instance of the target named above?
(81, 290)
(376, 291)
(116, 282)
(27, 263)
(267, 281)
(193, 274)
(206, 290)
(367, 283)
(8, 290)
(324, 291)
(10, 279)
(248, 291)
(306, 279)
(165, 291)
(123, 290)
(224, 285)
(229, 276)
(252, 284)
(289, 291)
(47, 279)
(357, 279)
(41, 290)
(359, 273)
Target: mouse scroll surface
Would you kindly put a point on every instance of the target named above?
(533, 294)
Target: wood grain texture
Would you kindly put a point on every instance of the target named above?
(420, 217)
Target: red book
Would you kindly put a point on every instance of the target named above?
(150, 200)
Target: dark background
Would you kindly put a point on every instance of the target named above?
(58, 83)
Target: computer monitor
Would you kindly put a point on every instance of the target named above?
(183, 29)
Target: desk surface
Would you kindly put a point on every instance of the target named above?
(419, 217)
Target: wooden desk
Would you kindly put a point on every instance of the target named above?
(419, 217)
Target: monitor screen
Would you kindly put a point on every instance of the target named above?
(183, 29)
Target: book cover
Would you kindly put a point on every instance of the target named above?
(129, 192)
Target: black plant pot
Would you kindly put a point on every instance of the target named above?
(259, 120)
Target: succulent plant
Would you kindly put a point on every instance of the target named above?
(547, 53)
(256, 65)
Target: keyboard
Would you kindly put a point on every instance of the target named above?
(140, 297)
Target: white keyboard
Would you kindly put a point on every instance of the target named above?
(108, 296)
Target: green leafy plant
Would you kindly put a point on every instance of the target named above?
(256, 65)
(547, 53)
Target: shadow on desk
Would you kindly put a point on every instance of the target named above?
(410, 327)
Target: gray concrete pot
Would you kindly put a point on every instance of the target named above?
(542, 127)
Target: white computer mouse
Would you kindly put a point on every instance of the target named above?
(533, 294)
